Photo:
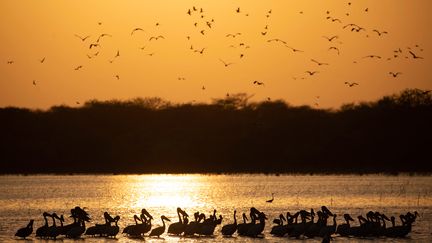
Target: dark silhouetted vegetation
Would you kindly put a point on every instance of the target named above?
(232, 134)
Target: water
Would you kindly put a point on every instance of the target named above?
(27, 197)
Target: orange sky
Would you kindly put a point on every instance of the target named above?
(33, 30)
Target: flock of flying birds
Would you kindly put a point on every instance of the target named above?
(203, 25)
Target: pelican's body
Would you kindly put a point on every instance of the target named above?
(26, 231)
(158, 231)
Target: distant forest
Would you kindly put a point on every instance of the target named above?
(151, 135)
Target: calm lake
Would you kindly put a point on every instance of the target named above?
(26, 197)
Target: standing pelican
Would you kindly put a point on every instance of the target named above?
(26, 231)
(43, 230)
(161, 229)
(179, 227)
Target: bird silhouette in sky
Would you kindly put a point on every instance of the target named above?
(319, 63)
(200, 51)
(351, 84)
(117, 54)
(10, 62)
(117, 77)
(226, 64)
(294, 49)
(93, 45)
(311, 72)
(380, 32)
(82, 38)
(78, 67)
(414, 55)
(202, 32)
(258, 83)
(277, 40)
(34, 82)
(264, 33)
(42, 60)
(334, 48)
(331, 38)
(238, 10)
(395, 74)
(372, 56)
(101, 36)
(135, 30)
(156, 37)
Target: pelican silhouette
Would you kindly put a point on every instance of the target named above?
(136, 29)
(319, 63)
(294, 49)
(42, 60)
(311, 73)
(202, 32)
(102, 35)
(331, 38)
(372, 56)
(343, 229)
(42, 231)
(257, 229)
(178, 227)
(394, 74)
(264, 33)
(10, 62)
(334, 48)
(380, 32)
(78, 68)
(156, 37)
(158, 231)
(226, 64)
(238, 10)
(414, 55)
(34, 82)
(242, 228)
(230, 229)
(277, 40)
(279, 229)
(351, 84)
(82, 38)
(259, 84)
(271, 200)
(93, 45)
(26, 231)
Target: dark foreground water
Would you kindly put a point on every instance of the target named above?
(27, 197)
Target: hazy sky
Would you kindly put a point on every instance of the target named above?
(33, 30)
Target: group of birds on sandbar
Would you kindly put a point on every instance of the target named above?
(301, 224)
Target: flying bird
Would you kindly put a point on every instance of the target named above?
(156, 37)
(380, 32)
(277, 40)
(78, 68)
(34, 82)
(414, 55)
(202, 32)
(226, 63)
(319, 63)
(117, 77)
(93, 45)
(200, 51)
(117, 54)
(334, 48)
(264, 33)
(238, 10)
(42, 60)
(258, 83)
(82, 38)
(372, 56)
(10, 62)
(103, 35)
(331, 38)
(351, 84)
(233, 35)
(394, 74)
(311, 72)
(136, 29)
(294, 49)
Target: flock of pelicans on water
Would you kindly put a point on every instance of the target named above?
(302, 224)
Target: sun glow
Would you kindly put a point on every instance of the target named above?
(155, 191)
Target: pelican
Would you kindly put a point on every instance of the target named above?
(343, 229)
(334, 48)
(82, 38)
(26, 231)
(319, 63)
(178, 227)
(414, 55)
(294, 49)
(311, 72)
(270, 200)
(43, 230)
(226, 63)
(159, 230)
(351, 84)
(102, 35)
(136, 29)
(54, 231)
(394, 74)
(193, 226)
(130, 227)
(257, 229)
(329, 229)
(262, 83)
(230, 229)
(331, 38)
(380, 32)
(279, 229)
(242, 228)
(42, 60)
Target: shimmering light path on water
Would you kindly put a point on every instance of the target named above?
(26, 197)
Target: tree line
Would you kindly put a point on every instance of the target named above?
(227, 135)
